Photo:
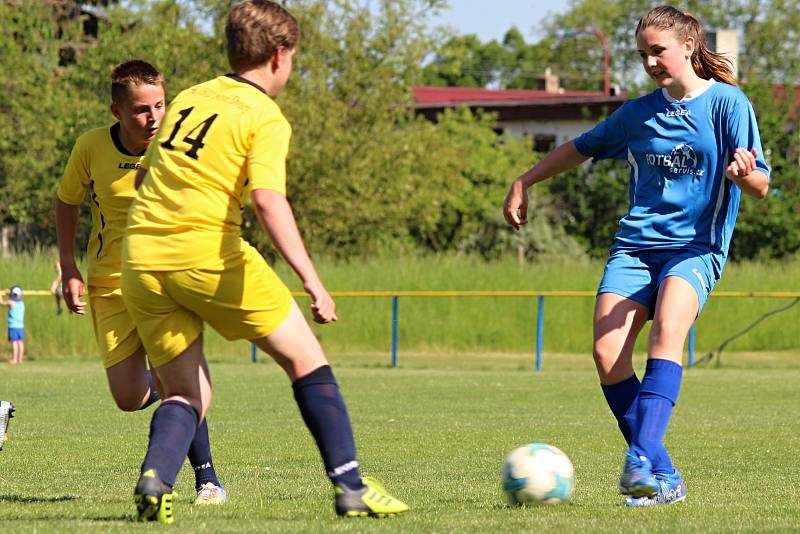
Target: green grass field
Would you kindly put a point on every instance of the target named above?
(435, 430)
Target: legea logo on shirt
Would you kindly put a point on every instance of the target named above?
(681, 160)
(678, 112)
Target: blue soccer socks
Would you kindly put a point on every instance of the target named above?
(621, 398)
(200, 448)
(172, 430)
(324, 412)
(658, 394)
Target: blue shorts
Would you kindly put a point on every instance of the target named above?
(16, 334)
(638, 275)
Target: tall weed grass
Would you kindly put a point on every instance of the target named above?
(446, 325)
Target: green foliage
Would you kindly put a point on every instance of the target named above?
(465, 61)
(30, 127)
(768, 228)
(589, 201)
(358, 167)
(364, 173)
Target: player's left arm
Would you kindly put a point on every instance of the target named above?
(276, 217)
(743, 172)
(747, 167)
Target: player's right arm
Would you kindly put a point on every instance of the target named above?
(71, 190)
(277, 219)
(607, 140)
(563, 158)
(72, 281)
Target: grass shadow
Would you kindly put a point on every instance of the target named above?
(29, 499)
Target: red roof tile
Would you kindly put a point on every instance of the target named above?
(451, 95)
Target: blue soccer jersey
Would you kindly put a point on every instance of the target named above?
(678, 151)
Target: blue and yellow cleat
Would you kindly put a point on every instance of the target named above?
(671, 489)
(637, 478)
(6, 413)
(372, 500)
(153, 498)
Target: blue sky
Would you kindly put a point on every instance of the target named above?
(490, 19)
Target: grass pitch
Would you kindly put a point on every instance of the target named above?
(435, 431)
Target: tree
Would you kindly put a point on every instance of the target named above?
(30, 97)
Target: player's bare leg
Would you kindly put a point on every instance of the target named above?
(676, 310)
(128, 382)
(617, 322)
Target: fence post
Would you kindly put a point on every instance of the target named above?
(539, 332)
(395, 319)
(691, 346)
(253, 352)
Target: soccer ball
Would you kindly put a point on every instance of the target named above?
(537, 474)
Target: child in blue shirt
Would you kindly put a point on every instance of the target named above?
(16, 323)
(693, 147)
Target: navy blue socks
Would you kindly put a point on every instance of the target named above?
(200, 457)
(324, 412)
(658, 394)
(200, 449)
(172, 429)
(621, 399)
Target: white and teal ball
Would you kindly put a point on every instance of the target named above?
(538, 474)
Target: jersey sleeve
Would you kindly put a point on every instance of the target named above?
(607, 140)
(742, 132)
(266, 160)
(76, 178)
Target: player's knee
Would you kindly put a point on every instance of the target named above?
(128, 403)
(667, 330)
(604, 353)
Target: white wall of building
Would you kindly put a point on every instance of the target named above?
(562, 130)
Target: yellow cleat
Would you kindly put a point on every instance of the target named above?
(153, 498)
(372, 500)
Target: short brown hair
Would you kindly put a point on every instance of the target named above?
(255, 30)
(131, 73)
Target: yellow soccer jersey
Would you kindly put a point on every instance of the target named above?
(100, 165)
(218, 141)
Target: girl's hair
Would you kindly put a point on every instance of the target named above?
(255, 30)
(132, 73)
(706, 64)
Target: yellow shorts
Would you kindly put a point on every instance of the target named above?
(242, 299)
(113, 327)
